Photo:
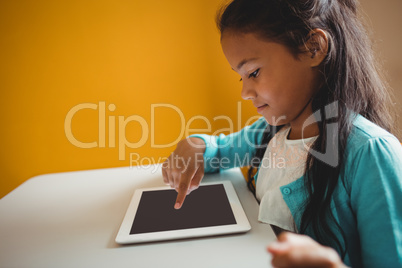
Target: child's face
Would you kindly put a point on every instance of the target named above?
(279, 85)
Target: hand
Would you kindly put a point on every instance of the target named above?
(294, 250)
(184, 168)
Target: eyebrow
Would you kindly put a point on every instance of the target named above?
(244, 62)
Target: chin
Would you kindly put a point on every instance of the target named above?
(275, 120)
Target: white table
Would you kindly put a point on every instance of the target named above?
(71, 220)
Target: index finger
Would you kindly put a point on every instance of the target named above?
(181, 194)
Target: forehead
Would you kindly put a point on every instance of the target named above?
(236, 43)
(240, 46)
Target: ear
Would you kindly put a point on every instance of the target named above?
(316, 46)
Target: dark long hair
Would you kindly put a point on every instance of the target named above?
(352, 82)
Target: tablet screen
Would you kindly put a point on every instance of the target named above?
(204, 207)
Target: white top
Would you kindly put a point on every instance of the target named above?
(283, 162)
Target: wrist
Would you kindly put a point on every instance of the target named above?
(196, 143)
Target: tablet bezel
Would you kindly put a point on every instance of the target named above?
(242, 224)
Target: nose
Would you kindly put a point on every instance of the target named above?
(247, 92)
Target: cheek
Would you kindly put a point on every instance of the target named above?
(286, 92)
(277, 88)
(297, 82)
(291, 73)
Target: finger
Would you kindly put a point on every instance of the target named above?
(281, 261)
(167, 167)
(181, 194)
(284, 236)
(278, 247)
(296, 239)
(299, 258)
(171, 179)
(165, 176)
(186, 177)
(176, 177)
(195, 182)
(281, 245)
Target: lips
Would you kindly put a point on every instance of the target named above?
(261, 108)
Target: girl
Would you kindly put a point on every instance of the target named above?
(308, 68)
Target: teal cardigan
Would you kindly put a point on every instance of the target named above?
(368, 206)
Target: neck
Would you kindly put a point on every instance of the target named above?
(297, 132)
(297, 128)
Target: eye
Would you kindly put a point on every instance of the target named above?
(254, 74)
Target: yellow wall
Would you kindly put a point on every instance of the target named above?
(129, 54)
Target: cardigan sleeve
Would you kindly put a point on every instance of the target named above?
(233, 150)
(376, 200)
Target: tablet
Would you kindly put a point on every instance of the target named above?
(212, 209)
